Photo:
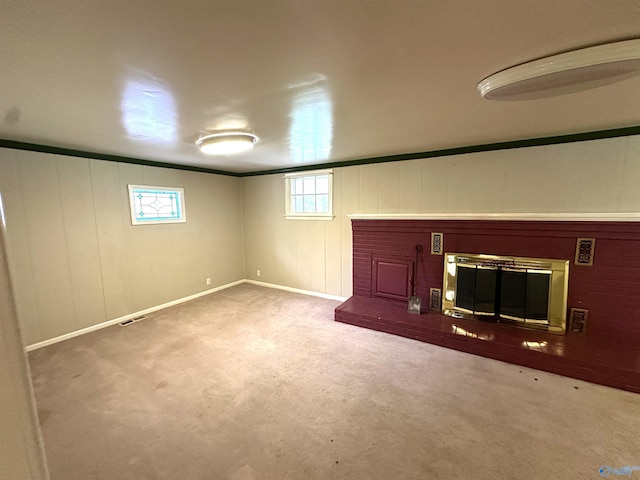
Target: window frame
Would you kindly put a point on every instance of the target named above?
(135, 220)
(289, 215)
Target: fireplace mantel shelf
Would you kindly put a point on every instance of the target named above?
(543, 217)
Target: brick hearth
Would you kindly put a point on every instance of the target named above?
(606, 363)
(608, 353)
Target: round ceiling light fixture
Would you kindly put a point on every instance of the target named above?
(226, 143)
(565, 73)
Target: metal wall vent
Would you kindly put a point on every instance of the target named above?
(132, 320)
(585, 248)
(578, 320)
(435, 298)
(437, 240)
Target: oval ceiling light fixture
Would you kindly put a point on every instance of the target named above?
(565, 73)
(226, 143)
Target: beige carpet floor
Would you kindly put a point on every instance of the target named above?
(254, 383)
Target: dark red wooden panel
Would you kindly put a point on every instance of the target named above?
(392, 278)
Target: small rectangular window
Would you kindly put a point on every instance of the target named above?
(156, 205)
(309, 195)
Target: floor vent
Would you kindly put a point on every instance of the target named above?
(585, 248)
(132, 320)
(436, 243)
(435, 298)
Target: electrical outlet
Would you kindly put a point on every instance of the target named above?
(208, 281)
(257, 273)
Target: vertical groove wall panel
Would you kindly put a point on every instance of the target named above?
(82, 240)
(481, 177)
(304, 252)
(107, 203)
(601, 185)
(198, 200)
(410, 178)
(22, 272)
(333, 240)
(222, 229)
(164, 276)
(350, 186)
(141, 250)
(317, 282)
(629, 198)
(265, 244)
(47, 243)
(389, 189)
(178, 243)
(228, 257)
(197, 203)
(434, 177)
(369, 191)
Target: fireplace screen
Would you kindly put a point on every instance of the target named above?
(530, 292)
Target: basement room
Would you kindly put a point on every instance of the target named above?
(356, 239)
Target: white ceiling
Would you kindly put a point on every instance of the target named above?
(317, 80)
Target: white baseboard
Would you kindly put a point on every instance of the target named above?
(108, 323)
(298, 290)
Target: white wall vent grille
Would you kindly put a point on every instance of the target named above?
(437, 240)
(585, 248)
(578, 320)
(435, 298)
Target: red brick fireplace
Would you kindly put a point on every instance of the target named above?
(608, 349)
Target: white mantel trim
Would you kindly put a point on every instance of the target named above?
(551, 217)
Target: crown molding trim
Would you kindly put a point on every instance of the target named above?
(487, 147)
(34, 147)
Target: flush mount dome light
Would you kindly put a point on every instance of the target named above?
(226, 143)
(565, 73)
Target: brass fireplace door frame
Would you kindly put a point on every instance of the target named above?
(558, 290)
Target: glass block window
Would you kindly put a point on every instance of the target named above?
(156, 205)
(309, 195)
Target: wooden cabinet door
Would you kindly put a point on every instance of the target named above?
(391, 278)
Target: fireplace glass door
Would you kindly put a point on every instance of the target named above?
(509, 293)
(524, 295)
(476, 289)
(530, 292)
